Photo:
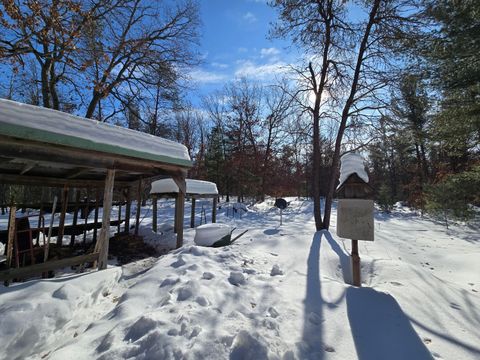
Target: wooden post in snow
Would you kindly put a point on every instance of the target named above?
(180, 208)
(119, 216)
(192, 214)
(75, 216)
(102, 244)
(139, 206)
(61, 225)
(128, 205)
(355, 264)
(11, 237)
(154, 216)
(214, 210)
(95, 220)
(11, 234)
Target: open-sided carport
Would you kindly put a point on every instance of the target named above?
(44, 147)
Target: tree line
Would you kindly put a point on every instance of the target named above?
(396, 80)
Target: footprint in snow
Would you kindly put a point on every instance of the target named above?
(329, 348)
(276, 271)
(236, 278)
(178, 263)
(208, 275)
(272, 312)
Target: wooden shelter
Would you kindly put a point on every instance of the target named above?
(44, 147)
(195, 189)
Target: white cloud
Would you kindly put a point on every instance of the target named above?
(203, 76)
(242, 50)
(250, 17)
(267, 52)
(249, 69)
(219, 65)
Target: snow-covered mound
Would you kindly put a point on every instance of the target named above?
(352, 163)
(208, 234)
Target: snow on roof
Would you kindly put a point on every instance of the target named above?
(195, 187)
(352, 163)
(56, 127)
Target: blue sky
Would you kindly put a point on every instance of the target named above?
(234, 44)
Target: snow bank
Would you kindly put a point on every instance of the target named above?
(208, 234)
(194, 187)
(30, 117)
(37, 313)
(352, 163)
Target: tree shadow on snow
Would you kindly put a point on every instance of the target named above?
(343, 257)
(380, 328)
(311, 346)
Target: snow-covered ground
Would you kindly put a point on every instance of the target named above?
(278, 292)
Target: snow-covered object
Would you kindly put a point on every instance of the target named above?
(208, 234)
(52, 126)
(194, 187)
(352, 163)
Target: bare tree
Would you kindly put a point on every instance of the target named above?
(350, 58)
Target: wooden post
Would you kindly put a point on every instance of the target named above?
(11, 237)
(192, 214)
(40, 216)
(119, 217)
(95, 220)
(128, 205)
(85, 221)
(75, 216)
(355, 264)
(11, 234)
(175, 220)
(61, 225)
(214, 210)
(102, 244)
(154, 216)
(180, 208)
(139, 206)
(47, 243)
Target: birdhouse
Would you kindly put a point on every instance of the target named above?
(354, 187)
(354, 210)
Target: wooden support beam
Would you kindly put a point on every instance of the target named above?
(139, 206)
(128, 207)
(85, 220)
(192, 214)
(214, 210)
(38, 269)
(77, 172)
(119, 217)
(37, 151)
(11, 234)
(155, 209)
(61, 225)
(75, 215)
(102, 244)
(55, 182)
(180, 208)
(27, 168)
(95, 220)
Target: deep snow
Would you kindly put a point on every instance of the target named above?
(278, 292)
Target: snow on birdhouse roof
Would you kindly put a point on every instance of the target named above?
(194, 187)
(352, 163)
(58, 128)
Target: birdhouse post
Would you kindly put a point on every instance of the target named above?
(355, 208)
